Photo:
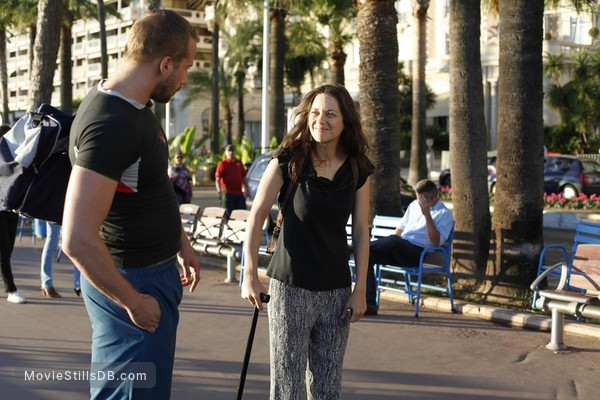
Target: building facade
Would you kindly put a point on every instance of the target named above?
(565, 31)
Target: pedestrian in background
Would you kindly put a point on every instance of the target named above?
(230, 178)
(181, 177)
(50, 247)
(8, 234)
(312, 301)
(121, 224)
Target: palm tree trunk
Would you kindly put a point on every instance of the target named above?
(103, 46)
(337, 61)
(468, 145)
(240, 77)
(517, 220)
(66, 69)
(418, 150)
(4, 76)
(45, 50)
(380, 100)
(277, 100)
(214, 142)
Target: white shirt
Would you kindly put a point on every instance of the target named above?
(414, 226)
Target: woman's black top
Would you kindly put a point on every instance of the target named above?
(312, 252)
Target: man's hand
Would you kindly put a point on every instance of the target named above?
(424, 203)
(190, 267)
(145, 313)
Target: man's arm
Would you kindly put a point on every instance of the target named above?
(88, 200)
(432, 231)
(218, 184)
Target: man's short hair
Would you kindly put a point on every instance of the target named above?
(426, 186)
(159, 33)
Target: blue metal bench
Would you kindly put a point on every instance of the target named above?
(384, 226)
(584, 274)
(585, 233)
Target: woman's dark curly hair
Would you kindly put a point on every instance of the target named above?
(298, 143)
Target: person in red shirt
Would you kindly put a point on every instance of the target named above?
(231, 178)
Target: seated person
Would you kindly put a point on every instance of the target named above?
(426, 223)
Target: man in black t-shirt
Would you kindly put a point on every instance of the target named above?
(121, 224)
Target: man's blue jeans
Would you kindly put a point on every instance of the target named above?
(117, 343)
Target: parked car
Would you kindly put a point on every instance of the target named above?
(257, 169)
(571, 176)
(446, 180)
(567, 175)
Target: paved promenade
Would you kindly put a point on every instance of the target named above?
(440, 356)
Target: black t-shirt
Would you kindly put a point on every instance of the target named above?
(113, 137)
(312, 252)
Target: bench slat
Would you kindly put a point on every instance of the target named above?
(586, 267)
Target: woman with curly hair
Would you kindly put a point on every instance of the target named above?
(312, 300)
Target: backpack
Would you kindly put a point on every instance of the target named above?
(35, 165)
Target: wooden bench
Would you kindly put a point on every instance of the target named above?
(189, 214)
(578, 298)
(220, 236)
(586, 232)
(405, 282)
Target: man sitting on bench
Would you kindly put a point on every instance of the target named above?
(426, 223)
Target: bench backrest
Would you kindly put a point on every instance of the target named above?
(189, 216)
(210, 223)
(234, 229)
(384, 226)
(586, 268)
(586, 233)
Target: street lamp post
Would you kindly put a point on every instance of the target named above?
(264, 143)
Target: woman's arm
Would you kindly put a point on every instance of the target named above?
(268, 188)
(360, 241)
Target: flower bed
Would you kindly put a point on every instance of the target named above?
(553, 200)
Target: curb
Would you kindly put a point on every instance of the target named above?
(512, 318)
(515, 319)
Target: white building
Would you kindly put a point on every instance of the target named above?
(565, 30)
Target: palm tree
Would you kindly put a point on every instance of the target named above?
(45, 51)
(418, 150)
(278, 12)
(277, 47)
(201, 82)
(468, 143)
(379, 99)
(243, 50)
(338, 16)
(72, 11)
(517, 219)
(5, 20)
(25, 14)
(305, 55)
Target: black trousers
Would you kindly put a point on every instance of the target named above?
(8, 234)
(392, 250)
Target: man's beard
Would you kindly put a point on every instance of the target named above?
(164, 90)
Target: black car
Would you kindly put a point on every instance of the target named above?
(257, 169)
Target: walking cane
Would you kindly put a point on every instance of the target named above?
(265, 299)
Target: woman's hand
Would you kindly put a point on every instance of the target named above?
(251, 290)
(358, 305)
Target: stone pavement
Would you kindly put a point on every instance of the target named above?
(440, 356)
